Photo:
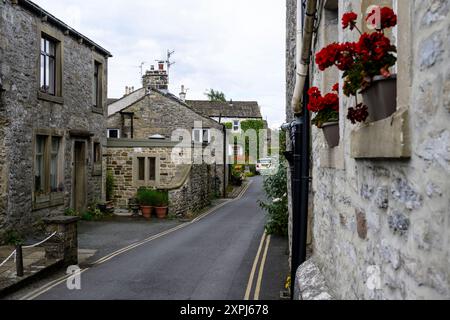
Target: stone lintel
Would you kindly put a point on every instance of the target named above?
(385, 139)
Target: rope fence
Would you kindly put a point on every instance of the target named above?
(14, 253)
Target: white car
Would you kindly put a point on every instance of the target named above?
(263, 164)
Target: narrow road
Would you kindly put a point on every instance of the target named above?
(208, 260)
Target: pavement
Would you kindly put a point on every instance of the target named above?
(211, 258)
(34, 263)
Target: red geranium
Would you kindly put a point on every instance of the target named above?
(331, 101)
(373, 46)
(349, 19)
(382, 18)
(336, 87)
(326, 107)
(340, 55)
(360, 61)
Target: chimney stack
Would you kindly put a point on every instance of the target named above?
(183, 94)
(156, 79)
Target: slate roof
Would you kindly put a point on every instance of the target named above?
(232, 109)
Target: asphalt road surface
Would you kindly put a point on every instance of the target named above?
(211, 259)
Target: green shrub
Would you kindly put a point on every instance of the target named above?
(161, 199)
(146, 196)
(71, 213)
(277, 209)
(13, 238)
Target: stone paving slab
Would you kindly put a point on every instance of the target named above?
(34, 262)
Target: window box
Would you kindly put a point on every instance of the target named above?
(384, 139)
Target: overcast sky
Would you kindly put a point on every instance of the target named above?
(235, 46)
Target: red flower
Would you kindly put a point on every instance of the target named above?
(382, 18)
(314, 92)
(341, 55)
(358, 114)
(349, 19)
(326, 57)
(318, 103)
(331, 101)
(374, 46)
(336, 87)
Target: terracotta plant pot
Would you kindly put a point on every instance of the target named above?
(146, 212)
(161, 212)
(332, 134)
(381, 97)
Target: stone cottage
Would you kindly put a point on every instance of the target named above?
(379, 212)
(232, 112)
(144, 144)
(52, 116)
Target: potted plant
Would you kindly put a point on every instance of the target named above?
(145, 198)
(161, 203)
(365, 65)
(326, 110)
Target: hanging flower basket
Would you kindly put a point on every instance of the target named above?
(365, 65)
(331, 132)
(381, 97)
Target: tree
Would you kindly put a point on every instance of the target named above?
(214, 95)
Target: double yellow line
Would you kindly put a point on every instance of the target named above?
(265, 243)
(47, 287)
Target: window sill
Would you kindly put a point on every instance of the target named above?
(97, 110)
(48, 201)
(50, 98)
(385, 139)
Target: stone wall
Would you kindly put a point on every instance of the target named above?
(25, 112)
(158, 114)
(191, 187)
(196, 193)
(390, 217)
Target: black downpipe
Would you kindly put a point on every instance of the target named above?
(299, 160)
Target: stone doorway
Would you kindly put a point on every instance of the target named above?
(79, 176)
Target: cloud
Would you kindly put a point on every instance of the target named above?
(236, 46)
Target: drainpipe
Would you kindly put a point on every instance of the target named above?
(299, 131)
(224, 157)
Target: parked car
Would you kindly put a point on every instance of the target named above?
(263, 164)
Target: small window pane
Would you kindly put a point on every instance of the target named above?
(43, 73)
(51, 76)
(152, 169)
(141, 169)
(113, 133)
(54, 165)
(39, 180)
(51, 48)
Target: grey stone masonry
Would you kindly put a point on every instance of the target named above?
(381, 219)
(64, 244)
(25, 112)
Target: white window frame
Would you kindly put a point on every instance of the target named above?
(238, 125)
(118, 133)
(202, 134)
